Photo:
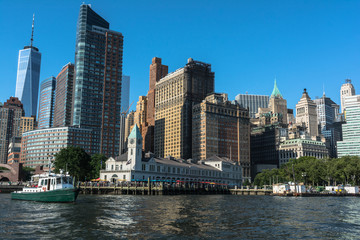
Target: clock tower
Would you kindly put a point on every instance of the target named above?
(135, 149)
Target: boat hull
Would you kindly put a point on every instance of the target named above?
(60, 195)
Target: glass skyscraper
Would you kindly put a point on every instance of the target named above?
(97, 89)
(125, 93)
(46, 103)
(328, 120)
(27, 81)
(351, 131)
(253, 102)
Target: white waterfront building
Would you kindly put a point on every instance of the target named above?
(131, 166)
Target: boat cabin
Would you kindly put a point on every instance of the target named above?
(48, 182)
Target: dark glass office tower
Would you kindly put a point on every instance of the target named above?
(64, 96)
(98, 68)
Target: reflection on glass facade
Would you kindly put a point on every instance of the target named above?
(27, 82)
(97, 89)
(46, 102)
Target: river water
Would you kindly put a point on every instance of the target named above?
(182, 217)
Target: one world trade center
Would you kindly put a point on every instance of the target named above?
(28, 74)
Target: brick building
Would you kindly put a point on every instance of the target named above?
(222, 129)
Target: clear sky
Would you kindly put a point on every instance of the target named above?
(304, 44)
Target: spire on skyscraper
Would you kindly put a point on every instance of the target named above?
(276, 93)
(32, 31)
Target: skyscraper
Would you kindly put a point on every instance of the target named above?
(351, 131)
(97, 90)
(10, 120)
(306, 114)
(277, 104)
(253, 102)
(328, 120)
(175, 96)
(157, 71)
(221, 129)
(64, 96)
(347, 89)
(28, 75)
(47, 102)
(125, 93)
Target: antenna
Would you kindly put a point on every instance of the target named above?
(32, 31)
(323, 89)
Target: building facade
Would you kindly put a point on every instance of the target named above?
(346, 90)
(28, 75)
(296, 148)
(122, 133)
(64, 96)
(175, 95)
(221, 129)
(14, 150)
(46, 103)
(350, 145)
(140, 113)
(27, 124)
(129, 123)
(10, 120)
(98, 78)
(306, 114)
(125, 93)
(253, 102)
(265, 142)
(157, 71)
(277, 104)
(328, 115)
(131, 166)
(38, 146)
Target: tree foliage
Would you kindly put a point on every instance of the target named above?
(74, 160)
(27, 172)
(345, 170)
(97, 163)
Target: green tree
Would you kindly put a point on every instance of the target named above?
(97, 163)
(27, 172)
(75, 160)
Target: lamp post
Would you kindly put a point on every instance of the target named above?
(304, 176)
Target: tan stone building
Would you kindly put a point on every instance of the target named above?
(296, 148)
(306, 115)
(275, 112)
(27, 124)
(140, 113)
(277, 104)
(347, 89)
(129, 122)
(175, 96)
(222, 129)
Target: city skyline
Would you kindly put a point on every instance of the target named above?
(304, 45)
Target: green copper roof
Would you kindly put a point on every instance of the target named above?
(276, 92)
(135, 133)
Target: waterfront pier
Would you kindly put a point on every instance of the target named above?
(149, 188)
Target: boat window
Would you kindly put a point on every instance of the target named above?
(65, 180)
(42, 182)
(45, 182)
(58, 180)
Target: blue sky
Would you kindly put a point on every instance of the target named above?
(304, 44)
